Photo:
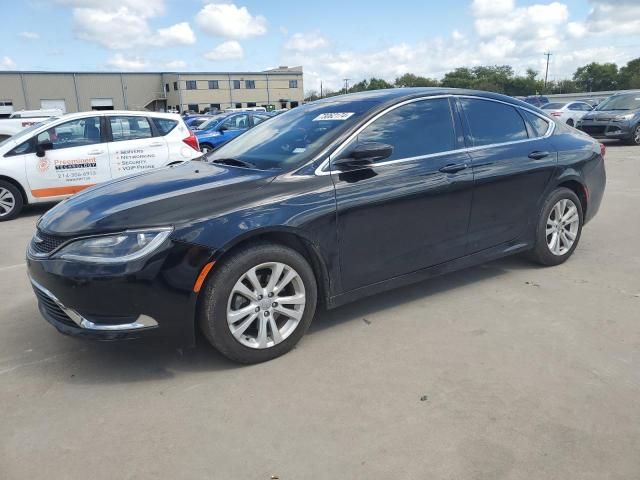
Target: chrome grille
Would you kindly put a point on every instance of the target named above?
(47, 244)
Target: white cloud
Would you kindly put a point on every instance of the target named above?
(505, 32)
(228, 50)
(176, 64)
(124, 25)
(230, 21)
(7, 63)
(120, 62)
(29, 35)
(306, 41)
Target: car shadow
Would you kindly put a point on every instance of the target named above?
(147, 359)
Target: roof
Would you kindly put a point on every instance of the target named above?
(292, 71)
(394, 95)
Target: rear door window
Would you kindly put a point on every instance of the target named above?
(492, 122)
(129, 128)
(415, 129)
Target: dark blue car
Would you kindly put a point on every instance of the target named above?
(223, 127)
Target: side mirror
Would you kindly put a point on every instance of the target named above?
(42, 147)
(364, 154)
(222, 128)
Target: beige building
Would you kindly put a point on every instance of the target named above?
(73, 92)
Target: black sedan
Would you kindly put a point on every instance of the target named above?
(326, 203)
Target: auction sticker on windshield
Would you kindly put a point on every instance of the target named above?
(333, 116)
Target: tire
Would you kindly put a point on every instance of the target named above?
(206, 148)
(570, 122)
(542, 253)
(635, 136)
(221, 296)
(11, 201)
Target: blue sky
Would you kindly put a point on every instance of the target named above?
(330, 39)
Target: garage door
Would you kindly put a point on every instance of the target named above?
(102, 104)
(53, 104)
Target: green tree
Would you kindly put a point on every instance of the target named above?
(597, 77)
(411, 80)
(629, 76)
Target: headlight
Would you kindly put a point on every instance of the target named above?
(622, 118)
(118, 248)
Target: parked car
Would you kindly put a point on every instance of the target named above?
(22, 119)
(223, 127)
(54, 159)
(536, 100)
(617, 117)
(567, 112)
(337, 199)
(194, 121)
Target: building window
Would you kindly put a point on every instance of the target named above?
(191, 85)
(175, 86)
(249, 84)
(214, 106)
(213, 85)
(236, 84)
(238, 105)
(193, 107)
(251, 104)
(166, 88)
(294, 104)
(293, 83)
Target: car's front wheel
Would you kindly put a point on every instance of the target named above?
(635, 136)
(258, 303)
(570, 122)
(558, 229)
(10, 201)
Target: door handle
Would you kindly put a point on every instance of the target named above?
(158, 144)
(454, 167)
(537, 155)
(95, 152)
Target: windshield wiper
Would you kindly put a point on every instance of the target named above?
(234, 162)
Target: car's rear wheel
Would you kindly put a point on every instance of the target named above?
(559, 228)
(206, 148)
(11, 202)
(258, 303)
(570, 122)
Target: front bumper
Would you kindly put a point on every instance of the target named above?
(606, 129)
(153, 297)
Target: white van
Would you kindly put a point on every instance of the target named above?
(54, 159)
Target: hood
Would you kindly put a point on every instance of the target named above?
(606, 115)
(167, 196)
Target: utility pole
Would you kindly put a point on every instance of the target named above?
(546, 73)
(346, 85)
(320, 88)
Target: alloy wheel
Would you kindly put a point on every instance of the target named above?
(266, 305)
(636, 135)
(563, 224)
(7, 202)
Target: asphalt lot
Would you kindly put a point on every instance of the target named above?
(505, 371)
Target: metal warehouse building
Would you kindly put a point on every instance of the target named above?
(72, 92)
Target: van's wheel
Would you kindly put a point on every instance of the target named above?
(206, 148)
(11, 201)
(258, 303)
(558, 229)
(570, 122)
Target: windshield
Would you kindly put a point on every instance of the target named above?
(621, 102)
(553, 106)
(293, 137)
(211, 121)
(24, 134)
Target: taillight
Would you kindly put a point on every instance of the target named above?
(192, 141)
(603, 149)
(556, 114)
